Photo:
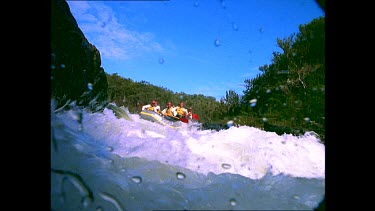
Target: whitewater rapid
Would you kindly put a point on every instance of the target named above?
(110, 163)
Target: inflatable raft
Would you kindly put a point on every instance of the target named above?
(163, 120)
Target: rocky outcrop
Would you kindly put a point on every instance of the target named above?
(280, 130)
(76, 72)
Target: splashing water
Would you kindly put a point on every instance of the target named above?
(102, 162)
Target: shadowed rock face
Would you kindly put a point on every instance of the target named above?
(280, 130)
(76, 72)
(213, 126)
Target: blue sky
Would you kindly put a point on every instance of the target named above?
(193, 46)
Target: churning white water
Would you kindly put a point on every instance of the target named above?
(102, 162)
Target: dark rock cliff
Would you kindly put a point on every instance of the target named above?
(76, 72)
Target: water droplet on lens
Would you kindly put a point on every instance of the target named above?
(234, 26)
(180, 175)
(217, 42)
(89, 86)
(62, 198)
(136, 179)
(253, 101)
(233, 202)
(226, 166)
(86, 201)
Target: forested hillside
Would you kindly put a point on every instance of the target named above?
(289, 92)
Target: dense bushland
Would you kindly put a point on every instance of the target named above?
(289, 92)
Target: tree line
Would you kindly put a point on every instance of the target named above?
(288, 92)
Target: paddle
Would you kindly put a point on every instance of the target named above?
(172, 118)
